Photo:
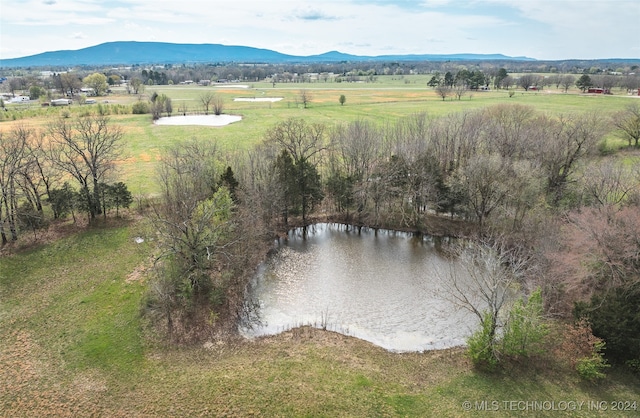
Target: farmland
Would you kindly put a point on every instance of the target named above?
(383, 101)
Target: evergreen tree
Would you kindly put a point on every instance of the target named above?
(584, 82)
(228, 180)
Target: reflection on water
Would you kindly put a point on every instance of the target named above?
(380, 286)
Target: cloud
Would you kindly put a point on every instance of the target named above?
(315, 15)
(49, 2)
(79, 35)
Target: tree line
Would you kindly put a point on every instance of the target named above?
(68, 167)
(498, 74)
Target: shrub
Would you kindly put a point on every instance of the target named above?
(140, 108)
(522, 334)
(592, 367)
(581, 350)
(525, 329)
(604, 148)
(481, 345)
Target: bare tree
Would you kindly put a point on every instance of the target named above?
(483, 282)
(606, 82)
(528, 80)
(205, 99)
(455, 138)
(218, 105)
(305, 97)
(160, 103)
(69, 83)
(507, 129)
(358, 144)
(260, 182)
(609, 184)
(37, 175)
(12, 153)
(563, 142)
(628, 123)
(459, 90)
(15, 83)
(86, 149)
(507, 82)
(554, 80)
(482, 183)
(443, 91)
(183, 109)
(600, 252)
(567, 81)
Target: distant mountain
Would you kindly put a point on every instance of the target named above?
(127, 53)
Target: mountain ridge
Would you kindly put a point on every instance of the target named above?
(137, 52)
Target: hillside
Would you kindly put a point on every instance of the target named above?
(127, 53)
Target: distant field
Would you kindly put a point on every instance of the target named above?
(385, 100)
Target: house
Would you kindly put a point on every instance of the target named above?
(598, 90)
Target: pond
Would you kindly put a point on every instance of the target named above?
(199, 120)
(258, 99)
(382, 286)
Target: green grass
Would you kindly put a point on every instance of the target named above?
(72, 295)
(72, 342)
(379, 103)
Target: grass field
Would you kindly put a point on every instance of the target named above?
(384, 100)
(73, 343)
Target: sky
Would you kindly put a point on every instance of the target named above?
(540, 29)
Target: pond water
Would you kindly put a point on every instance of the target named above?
(201, 120)
(257, 99)
(381, 286)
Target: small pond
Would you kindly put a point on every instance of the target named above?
(381, 286)
(257, 99)
(199, 120)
